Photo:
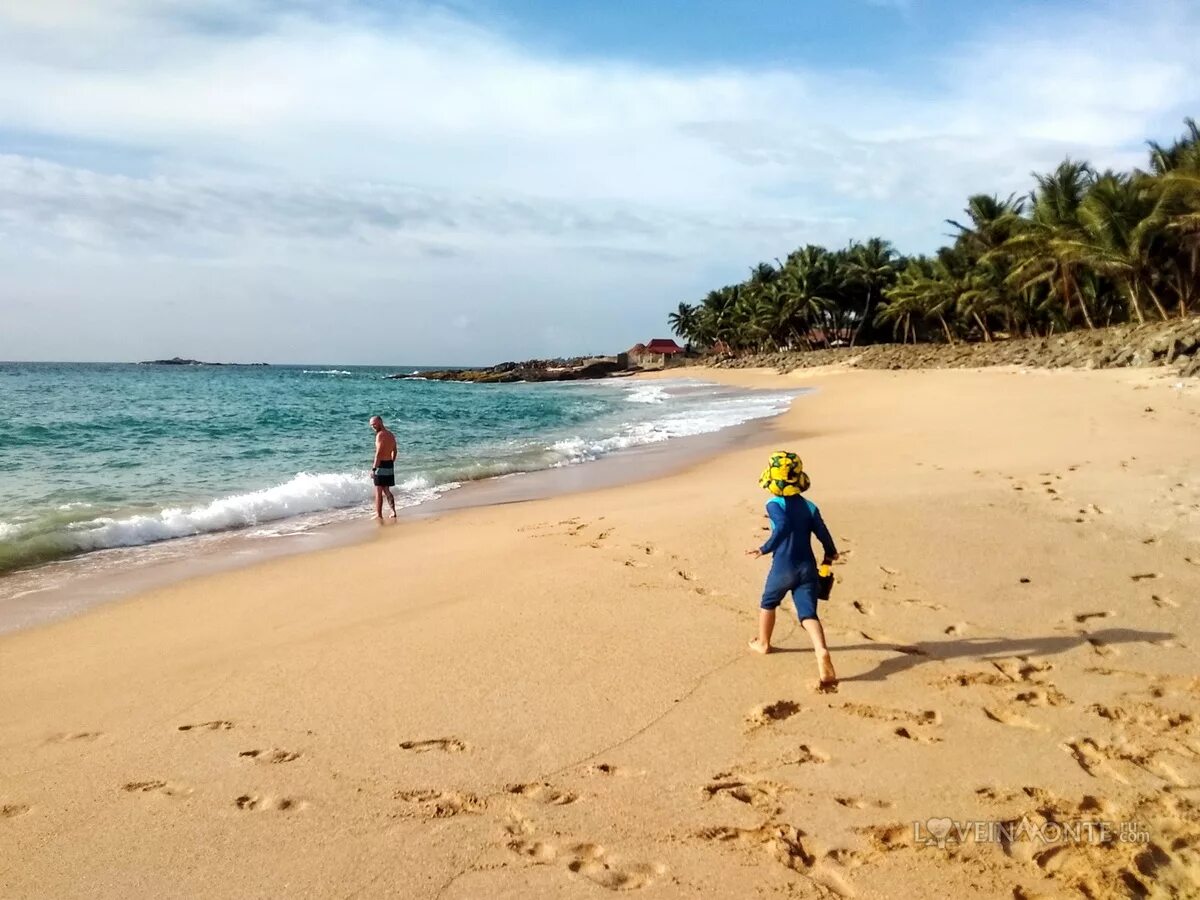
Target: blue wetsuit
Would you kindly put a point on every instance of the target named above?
(794, 522)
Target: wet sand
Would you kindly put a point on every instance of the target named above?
(553, 698)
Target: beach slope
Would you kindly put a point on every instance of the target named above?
(555, 699)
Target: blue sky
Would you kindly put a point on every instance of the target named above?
(405, 182)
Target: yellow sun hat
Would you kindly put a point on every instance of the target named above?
(784, 476)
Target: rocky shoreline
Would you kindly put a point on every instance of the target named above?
(1174, 345)
(533, 370)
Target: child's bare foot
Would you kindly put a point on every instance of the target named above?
(758, 647)
(826, 672)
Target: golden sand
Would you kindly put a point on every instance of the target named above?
(554, 698)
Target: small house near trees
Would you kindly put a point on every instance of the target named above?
(657, 354)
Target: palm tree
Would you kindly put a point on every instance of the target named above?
(1082, 249)
(1037, 247)
(1117, 234)
(685, 322)
(871, 267)
(988, 265)
(1177, 214)
(906, 303)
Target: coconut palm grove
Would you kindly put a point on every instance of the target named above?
(1084, 249)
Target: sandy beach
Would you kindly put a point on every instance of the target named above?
(554, 698)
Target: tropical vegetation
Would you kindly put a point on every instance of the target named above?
(1084, 249)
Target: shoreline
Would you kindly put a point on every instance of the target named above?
(135, 570)
(552, 698)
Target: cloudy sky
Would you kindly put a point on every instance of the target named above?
(381, 181)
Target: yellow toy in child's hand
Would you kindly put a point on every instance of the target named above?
(824, 581)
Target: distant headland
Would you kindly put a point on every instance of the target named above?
(658, 354)
(180, 361)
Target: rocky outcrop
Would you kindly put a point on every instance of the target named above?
(1174, 345)
(530, 370)
(180, 361)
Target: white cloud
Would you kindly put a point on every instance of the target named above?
(289, 145)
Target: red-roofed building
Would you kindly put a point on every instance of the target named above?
(654, 355)
(665, 346)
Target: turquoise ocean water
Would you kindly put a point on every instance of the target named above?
(95, 457)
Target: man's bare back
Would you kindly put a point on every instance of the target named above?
(383, 469)
(385, 446)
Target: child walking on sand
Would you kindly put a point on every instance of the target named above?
(794, 522)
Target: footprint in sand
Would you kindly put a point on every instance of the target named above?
(888, 838)
(769, 713)
(538, 852)
(1100, 648)
(442, 804)
(12, 810)
(1151, 865)
(923, 604)
(1047, 696)
(1163, 602)
(861, 803)
(217, 725)
(1146, 716)
(1099, 760)
(1021, 669)
(791, 848)
(257, 803)
(444, 745)
(591, 861)
(1084, 617)
(921, 718)
(273, 757)
(73, 736)
(1145, 576)
(542, 792)
(967, 679)
(1010, 718)
(804, 755)
(956, 630)
(863, 608)
(910, 734)
(609, 871)
(606, 770)
(155, 786)
(762, 795)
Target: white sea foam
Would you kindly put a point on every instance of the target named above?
(714, 415)
(647, 393)
(305, 493)
(659, 413)
(326, 372)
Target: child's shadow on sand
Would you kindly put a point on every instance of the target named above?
(987, 649)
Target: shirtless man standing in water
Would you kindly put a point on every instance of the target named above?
(383, 470)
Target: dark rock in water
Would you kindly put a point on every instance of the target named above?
(534, 370)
